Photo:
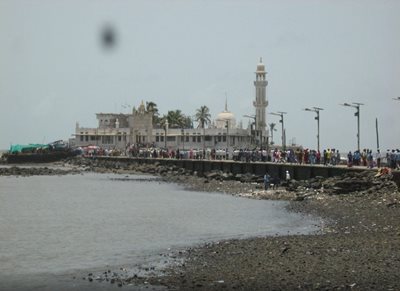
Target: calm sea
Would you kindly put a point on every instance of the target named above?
(55, 227)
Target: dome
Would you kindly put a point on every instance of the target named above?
(225, 116)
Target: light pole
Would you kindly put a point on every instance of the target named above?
(356, 105)
(397, 98)
(255, 125)
(280, 113)
(316, 110)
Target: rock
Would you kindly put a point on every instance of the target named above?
(212, 175)
(227, 176)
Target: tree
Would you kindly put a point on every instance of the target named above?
(203, 117)
(187, 122)
(162, 121)
(176, 119)
(152, 107)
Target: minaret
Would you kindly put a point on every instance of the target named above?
(261, 102)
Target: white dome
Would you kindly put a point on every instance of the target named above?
(226, 116)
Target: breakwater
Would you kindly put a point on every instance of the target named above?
(297, 172)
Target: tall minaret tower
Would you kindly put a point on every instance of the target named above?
(261, 102)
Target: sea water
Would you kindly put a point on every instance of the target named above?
(55, 225)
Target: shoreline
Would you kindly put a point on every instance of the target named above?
(357, 250)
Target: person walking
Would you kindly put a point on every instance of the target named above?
(267, 179)
(378, 157)
(370, 159)
(349, 159)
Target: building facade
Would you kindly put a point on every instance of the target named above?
(119, 131)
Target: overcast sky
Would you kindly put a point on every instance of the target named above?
(55, 72)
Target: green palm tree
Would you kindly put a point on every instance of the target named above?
(162, 121)
(203, 117)
(176, 119)
(152, 107)
(187, 121)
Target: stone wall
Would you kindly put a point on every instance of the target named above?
(297, 172)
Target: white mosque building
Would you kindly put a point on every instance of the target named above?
(117, 130)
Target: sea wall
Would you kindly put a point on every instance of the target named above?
(298, 172)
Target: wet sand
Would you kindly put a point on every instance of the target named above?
(358, 248)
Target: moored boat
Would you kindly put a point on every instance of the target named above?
(39, 153)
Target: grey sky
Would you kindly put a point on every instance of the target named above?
(185, 54)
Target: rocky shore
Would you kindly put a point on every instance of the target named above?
(357, 249)
(37, 171)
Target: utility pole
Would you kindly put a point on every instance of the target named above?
(316, 110)
(377, 133)
(255, 125)
(280, 113)
(356, 105)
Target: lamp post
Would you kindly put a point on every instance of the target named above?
(255, 125)
(356, 105)
(280, 114)
(397, 98)
(316, 110)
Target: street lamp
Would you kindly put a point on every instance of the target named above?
(280, 113)
(357, 114)
(316, 110)
(255, 125)
(397, 98)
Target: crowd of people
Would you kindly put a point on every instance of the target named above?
(328, 157)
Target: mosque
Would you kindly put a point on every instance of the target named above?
(117, 130)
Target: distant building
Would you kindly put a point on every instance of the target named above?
(118, 130)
